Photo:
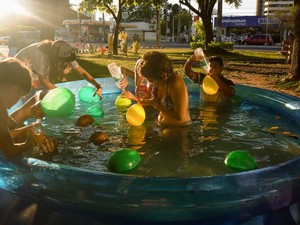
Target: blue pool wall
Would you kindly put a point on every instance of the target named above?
(235, 196)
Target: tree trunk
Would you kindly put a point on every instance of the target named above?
(204, 11)
(219, 17)
(208, 30)
(116, 33)
(158, 28)
(294, 73)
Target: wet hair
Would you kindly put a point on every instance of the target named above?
(15, 72)
(154, 64)
(216, 59)
(57, 64)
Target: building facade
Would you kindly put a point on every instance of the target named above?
(269, 7)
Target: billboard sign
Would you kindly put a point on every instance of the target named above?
(246, 21)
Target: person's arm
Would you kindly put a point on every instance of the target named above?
(7, 145)
(85, 75)
(127, 73)
(187, 68)
(31, 108)
(44, 80)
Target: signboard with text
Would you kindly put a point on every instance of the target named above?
(246, 21)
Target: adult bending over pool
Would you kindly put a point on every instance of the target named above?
(169, 93)
(51, 61)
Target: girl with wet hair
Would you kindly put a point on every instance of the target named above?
(169, 92)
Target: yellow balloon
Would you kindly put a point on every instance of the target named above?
(136, 115)
(210, 86)
(122, 102)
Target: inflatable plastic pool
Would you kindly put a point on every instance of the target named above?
(229, 197)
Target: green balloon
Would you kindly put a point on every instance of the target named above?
(86, 94)
(58, 102)
(240, 160)
(95, 111)
(124, 160)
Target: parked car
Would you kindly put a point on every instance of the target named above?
(258, 39)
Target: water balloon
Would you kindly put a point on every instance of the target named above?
(87, 94)
(136, 115)
(58, 102)
(95, 111)
(122, 103)
(240, 160)
(98, 137)
(210, 86)
(124, 160)
(85, 120)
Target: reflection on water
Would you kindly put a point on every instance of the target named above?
(195, 150)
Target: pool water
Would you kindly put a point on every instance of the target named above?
(196, 150)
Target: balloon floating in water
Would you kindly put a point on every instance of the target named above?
(86, 94)
(95, 111)
(85, 120)
(124, 160)
(210, 86)
(58, 102)
(122, 103)
(136, 115)
(98, 138)
(240, 160)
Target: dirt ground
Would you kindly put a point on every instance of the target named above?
(265, 76)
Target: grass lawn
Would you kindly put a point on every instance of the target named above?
(96, 64)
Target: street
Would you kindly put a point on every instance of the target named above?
(4, 48)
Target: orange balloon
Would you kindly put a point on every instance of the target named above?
(136, 115)
(210, 86)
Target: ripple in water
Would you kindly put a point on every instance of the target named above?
(196, 150)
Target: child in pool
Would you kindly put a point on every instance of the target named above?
(15, 82)
(169, 92)
(226, 87)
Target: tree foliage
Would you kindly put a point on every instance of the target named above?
(115, 10)
(204, 11)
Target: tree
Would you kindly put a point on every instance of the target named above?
(294, 73)
(204, 11)
(142, 12)
(115, 11)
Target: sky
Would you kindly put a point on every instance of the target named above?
(248, 7)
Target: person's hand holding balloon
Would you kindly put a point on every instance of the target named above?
(129, 95)
(48, 145)
(98, 92)
(123, 83)
(42, 143)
